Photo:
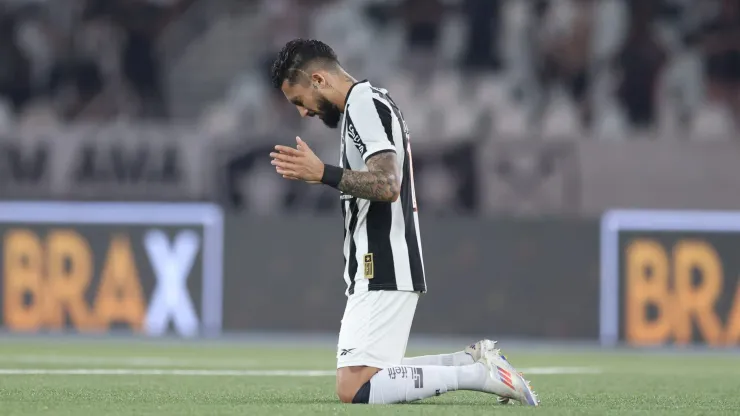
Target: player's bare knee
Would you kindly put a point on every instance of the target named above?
(345, 394)
(351, 382)
(346, 388)
(353, 392)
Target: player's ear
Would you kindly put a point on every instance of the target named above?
(318, 80)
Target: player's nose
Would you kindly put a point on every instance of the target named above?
(305, 112)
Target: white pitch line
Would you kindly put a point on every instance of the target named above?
(164, 372)
(129, 361)
(541, 371)
(241, 373)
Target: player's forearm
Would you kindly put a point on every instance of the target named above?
(379, 183)
(373, 186)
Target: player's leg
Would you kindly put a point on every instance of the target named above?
(357, 359)
(378, 325)
(370, 385)
(470, 355)
(405, 384)
(372, 343)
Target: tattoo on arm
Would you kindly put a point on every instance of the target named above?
(380, 183)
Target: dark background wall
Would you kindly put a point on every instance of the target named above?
(485, 276)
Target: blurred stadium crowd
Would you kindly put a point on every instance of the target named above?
(619, 69)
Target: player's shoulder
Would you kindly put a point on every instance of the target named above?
(364, 94)
(364, 91)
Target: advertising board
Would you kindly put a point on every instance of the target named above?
(670, 277)
(149, 268)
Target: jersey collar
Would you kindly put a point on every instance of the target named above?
(346, 99)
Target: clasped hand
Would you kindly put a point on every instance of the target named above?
(300, 163)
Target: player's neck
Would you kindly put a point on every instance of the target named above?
(344, 83)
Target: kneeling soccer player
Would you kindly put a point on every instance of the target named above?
(383, 270)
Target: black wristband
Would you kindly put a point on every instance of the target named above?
(332, 175)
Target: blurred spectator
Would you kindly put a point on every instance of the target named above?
(640, 62)
(423, 21)
(721, 43)
(15, 69)
(482, 41)
(76, 76)
(141, 22)
(564, 31)
(130, 29)
(285, 20)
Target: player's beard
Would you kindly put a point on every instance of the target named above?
(329, 113)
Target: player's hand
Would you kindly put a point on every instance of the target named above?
(300, 163)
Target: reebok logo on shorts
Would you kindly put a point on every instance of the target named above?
(346, 351)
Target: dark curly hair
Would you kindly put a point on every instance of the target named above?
(298, 54)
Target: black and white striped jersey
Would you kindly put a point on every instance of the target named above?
(382, 245)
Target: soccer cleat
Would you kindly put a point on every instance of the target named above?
(476, 350)
(504, 381)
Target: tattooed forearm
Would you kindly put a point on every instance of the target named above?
(379, 184)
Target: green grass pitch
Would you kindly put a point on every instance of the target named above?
(94, 378)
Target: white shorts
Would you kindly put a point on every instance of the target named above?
(375, 328)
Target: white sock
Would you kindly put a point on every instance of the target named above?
(407, 384)
(454, 359)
